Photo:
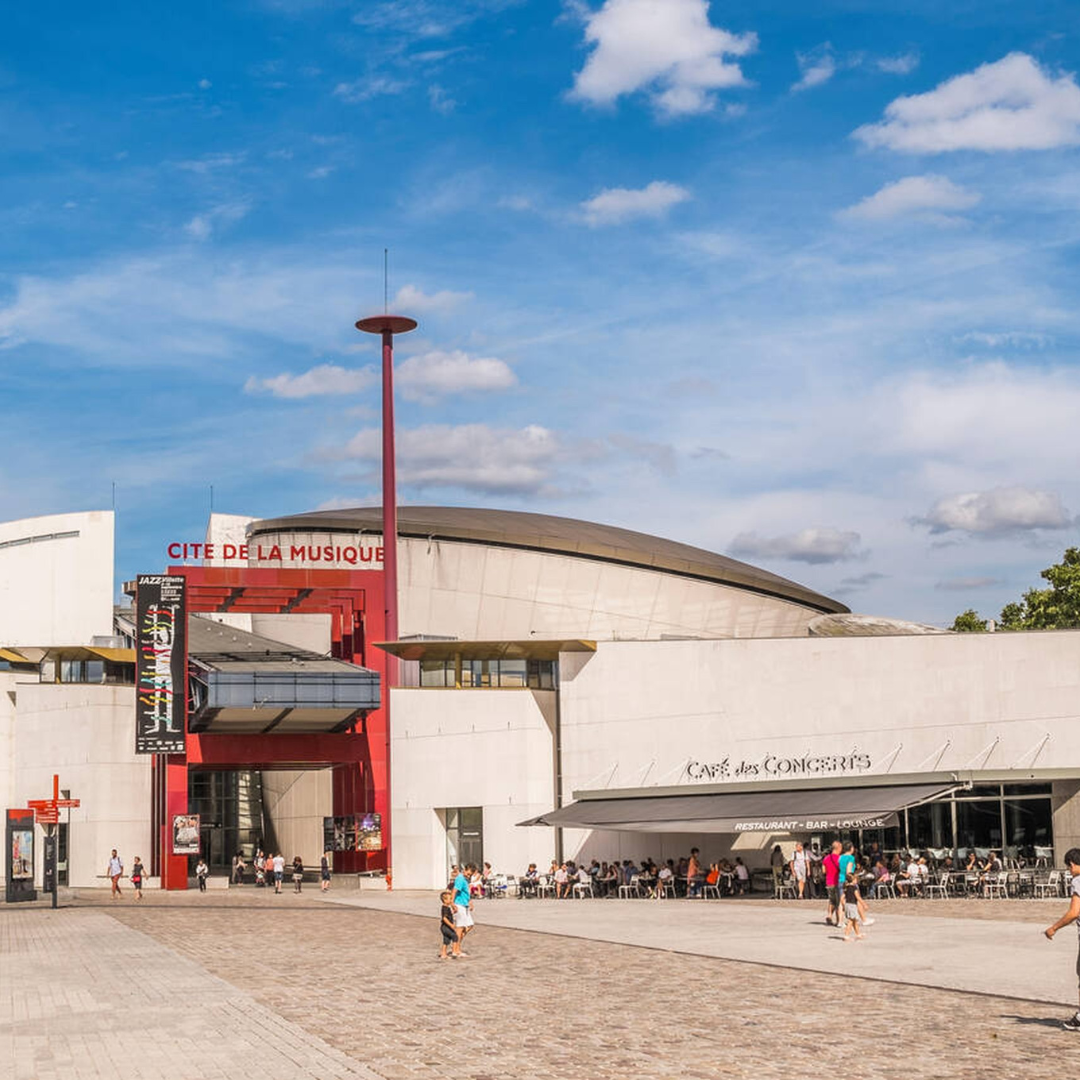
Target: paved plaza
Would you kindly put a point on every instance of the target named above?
(238, 983)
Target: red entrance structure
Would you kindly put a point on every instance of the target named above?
(355, 602)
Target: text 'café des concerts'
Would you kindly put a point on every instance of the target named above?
(557, 689)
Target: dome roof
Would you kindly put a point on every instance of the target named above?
(557, 535)
(848, 625)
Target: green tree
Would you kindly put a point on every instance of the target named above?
(1053, 608)
(968, 622)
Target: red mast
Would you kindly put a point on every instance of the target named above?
(387, 326)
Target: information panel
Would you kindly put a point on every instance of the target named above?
(19, 856)
(161, 662)
(185, 834)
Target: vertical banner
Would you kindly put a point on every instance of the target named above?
(161, 665)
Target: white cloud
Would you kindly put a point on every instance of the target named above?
(823, 545)
(930, 194)
(211, 163)
(202, 226)
(666, 47)
(433, 375)
(320, 380)
(205, 84)
(368, 87)
(615, 205)
(817, 67)
(1002, 511)
(904, 64)
(409, 299)
(1012, 339)
(1012, 104)
(440, 101)
(320, 173)
(475, 457)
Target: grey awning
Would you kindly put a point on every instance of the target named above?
(751, 811)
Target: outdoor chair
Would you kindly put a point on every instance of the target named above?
(631, 889)
(1044, 856)
(511, 886)
(545, 887)
(583, 887)
(785, 889)
(995, 886)
(939, 887)
(1050, 887)
(713, 890)
(885, 888)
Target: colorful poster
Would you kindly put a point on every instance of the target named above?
(22, 854)
(161, 665)
(185, 834)
(369, 832)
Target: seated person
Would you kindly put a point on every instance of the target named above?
(562, 882)
(742, 876)
(609, 879)
(665, 880)
(529, 881)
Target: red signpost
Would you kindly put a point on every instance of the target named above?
(47, 814)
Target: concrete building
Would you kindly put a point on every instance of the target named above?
(628, 695)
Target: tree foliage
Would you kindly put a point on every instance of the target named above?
(1056, 607)
(968, 622)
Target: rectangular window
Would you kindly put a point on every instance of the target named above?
(464, 836)
(512, 672)
(433, 673)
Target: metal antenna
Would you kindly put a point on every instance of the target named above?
(385, 280)
(211, 498)
(114, 495)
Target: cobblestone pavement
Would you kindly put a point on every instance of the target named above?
(531, 1004)
(83, 997)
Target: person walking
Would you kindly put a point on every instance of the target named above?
(137, 877)
(831, 865)
(777, 862)
(201, 872)
(297, 872)
(268, 868)
(238, 868)
(463, 920)
(851, 909)
(446, 925)
(1072, 860)
(799, 868)
(278, 866)
(324, 872)
(116, 871)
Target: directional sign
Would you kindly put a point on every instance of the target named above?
(46, 815)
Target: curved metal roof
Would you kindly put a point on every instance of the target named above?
(559, 535)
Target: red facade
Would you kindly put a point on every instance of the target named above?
(354, 599)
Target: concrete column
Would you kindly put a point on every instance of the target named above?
(1065, 799)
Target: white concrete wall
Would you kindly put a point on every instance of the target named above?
(56, 591)
(8, 698)
(451, 748)
(911, 704)
(86, 735)
(486, 593)
(296, 801)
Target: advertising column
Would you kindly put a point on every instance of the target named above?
(161, 701)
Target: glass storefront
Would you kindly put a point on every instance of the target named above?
(464, 836)
(1011, 819)
(477, 674)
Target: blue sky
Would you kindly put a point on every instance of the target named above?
(793, 282)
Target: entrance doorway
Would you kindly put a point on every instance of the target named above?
(464, 836)
(231, 818)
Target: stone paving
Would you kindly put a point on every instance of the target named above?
(525, 1004)
(82, 996)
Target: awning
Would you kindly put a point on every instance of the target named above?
(751, 811)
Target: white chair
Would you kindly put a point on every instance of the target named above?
(708, 890)
(1044, 856)
(581, 888)
(995, 886)
(511, 886)
(885, 888)
(631, 889)
(939, 887)
(785, 889)
(497, 887)
(1050, 887)
(545, 887)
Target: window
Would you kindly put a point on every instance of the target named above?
(436, 673)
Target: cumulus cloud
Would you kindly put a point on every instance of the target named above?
(474, 457)
(320, 380)
(817, 67)
(808, 545)
(926, 195)
(616, 205)
(435, 374)
(411, 299)
(440, 101)
(668, 48)
(1002, 511)
(1012, 104)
